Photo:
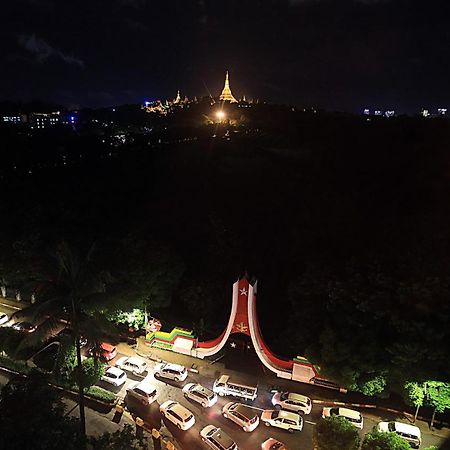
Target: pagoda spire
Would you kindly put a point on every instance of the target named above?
(226, 94)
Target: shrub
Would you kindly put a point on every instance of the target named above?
(376, 440)
(336, 433)
(101, 394)
(12, 364)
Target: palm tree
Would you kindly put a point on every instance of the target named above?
(74, 287)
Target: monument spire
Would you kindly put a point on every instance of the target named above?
(226, 94)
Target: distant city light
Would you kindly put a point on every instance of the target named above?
(367, 112)
(442, 111)
(390, 113)
(378, 112)
(425, 112)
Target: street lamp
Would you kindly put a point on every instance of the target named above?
(220, 115)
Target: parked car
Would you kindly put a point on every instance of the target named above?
(171, 371)
(106, 351)
(273, 444)
(3, 318)
(285, 420)
(217, 439)
(114, 376)
(354, 417)
(200, 394)
(25, 327)
(144, 391)
(410, 433)
(241, 414)
(134, 364)
(177, 414)
(292, 402)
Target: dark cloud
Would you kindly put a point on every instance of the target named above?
(42, 50)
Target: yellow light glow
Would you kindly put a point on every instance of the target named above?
(220, 115)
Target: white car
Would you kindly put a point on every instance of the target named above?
(218, 440)
(354, 417)
(134, 364)
(241, 414)
(282, 419)
(171, 371)
(410, 433)
(177, 414)
(292, 402)
(3, 318)
(273, 444)
(144, 391)
(115, 376)
(206, 397)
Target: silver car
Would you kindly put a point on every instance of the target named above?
(171, 371)
(194, 391)
(241, 414)
(218, 440)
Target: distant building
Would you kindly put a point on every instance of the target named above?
(13, 119)
(44, 120)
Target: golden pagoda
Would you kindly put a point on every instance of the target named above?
(226, 94)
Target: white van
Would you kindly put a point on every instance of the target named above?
(223, 386)
(410, 433)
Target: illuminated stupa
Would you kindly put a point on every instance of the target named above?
(226, 94)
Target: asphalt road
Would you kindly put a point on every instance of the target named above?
(190, 440)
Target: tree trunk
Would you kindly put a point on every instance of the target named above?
(79, 374)
(416, 414)
(432, 418)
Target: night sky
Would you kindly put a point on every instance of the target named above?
(335, 54)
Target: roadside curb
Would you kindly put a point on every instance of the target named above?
(153, 432)
(356, 405)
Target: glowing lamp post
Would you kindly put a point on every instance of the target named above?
(220, 116)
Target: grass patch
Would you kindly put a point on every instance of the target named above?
(12, 364)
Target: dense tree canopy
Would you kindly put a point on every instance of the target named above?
(335, 433)
(32, 412)
(376, 440)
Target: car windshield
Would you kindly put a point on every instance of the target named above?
(274, 414)
(284, 395)
(391, 426)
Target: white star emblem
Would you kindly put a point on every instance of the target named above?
(233, 344)
(243, 291)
